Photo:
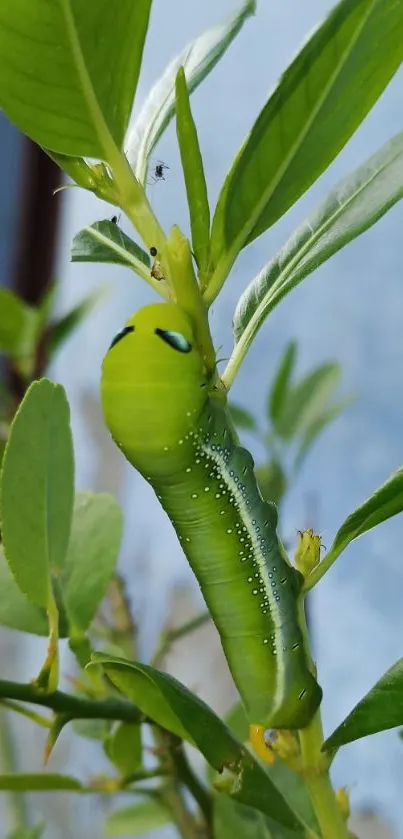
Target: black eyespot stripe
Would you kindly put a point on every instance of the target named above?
(121, 334)
(174, 339)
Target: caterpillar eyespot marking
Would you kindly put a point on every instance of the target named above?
(123, 332)
(173, 428)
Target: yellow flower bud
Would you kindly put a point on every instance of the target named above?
(307, 555)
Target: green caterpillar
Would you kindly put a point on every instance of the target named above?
(162, 412)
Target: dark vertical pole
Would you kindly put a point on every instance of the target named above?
(32, 272)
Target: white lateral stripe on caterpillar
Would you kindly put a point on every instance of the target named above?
(271, 599)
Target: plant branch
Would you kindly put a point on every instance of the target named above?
(76, 707)
(187, 777)
(8, 764)
(170, 636)
(315, 764)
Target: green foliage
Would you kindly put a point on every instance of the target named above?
(68, 76)
(71, 70)
(175, 708)
(197, 59)
(91, 557)
(193, 171)
(104, 241)
(353, 206)
(379, 710)
(37, 490)
(137, 819)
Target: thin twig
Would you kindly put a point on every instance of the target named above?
(170, 636)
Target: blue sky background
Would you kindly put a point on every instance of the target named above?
(351, 310)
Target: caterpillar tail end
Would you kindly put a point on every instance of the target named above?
(259, 745)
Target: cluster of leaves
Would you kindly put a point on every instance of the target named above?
(29, 338)
(60, 552)
(297, 413)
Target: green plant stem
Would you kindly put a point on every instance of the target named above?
(8, 764)
(315, 763)
(188, 778)
(183, 819)
(315, 773)
(76, 707)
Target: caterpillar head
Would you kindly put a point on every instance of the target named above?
(153, 384)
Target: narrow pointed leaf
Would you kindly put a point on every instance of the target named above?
(242, 418)
(44, 782)
(386, 502)
(318, 425)
(104, 241)
(169, 703)
(92, 554)
(306, 400)
(281, 383)
(193, 171)
(137, 819)
(353, 206)
(69, 70)
(37, 489)
(198, 59)
(317, 105)
(379, 710)
(62, 328)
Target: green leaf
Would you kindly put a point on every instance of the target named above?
(170, 704)
(27, 832)
(92, 554)
(91, 729)
(17, 325)
(231, 820)
(281, 383)
(69, 71)
(242, 418)
(125, 748)
(318, 425)
(319, 102)
(198, 59)
(37, 489)
(353, 206)
(62, 328)
(386, 502)
(16, 611)
(104, 241)
(137, 819)
(193, 171)
(291, 784)
(272, 481)
(379, 710)
(44, 782)
(306, 401)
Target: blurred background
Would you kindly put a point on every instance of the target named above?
(350, 311)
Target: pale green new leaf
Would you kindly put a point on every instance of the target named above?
(37, 489)
(319, 102)
(104, 241)
(354, 205)
(69, 70)
(193, 171)
(197, 59)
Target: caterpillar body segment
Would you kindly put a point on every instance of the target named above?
(161, 412)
